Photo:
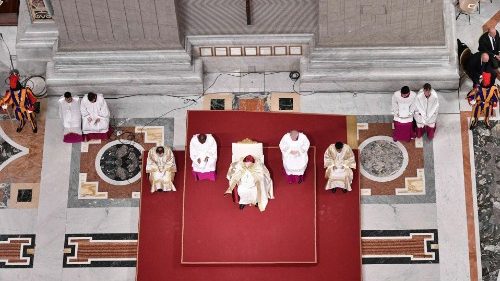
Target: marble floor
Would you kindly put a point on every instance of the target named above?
(444, 200)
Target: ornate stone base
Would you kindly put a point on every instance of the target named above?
(35, 42)
(378, 69)
(123, 72)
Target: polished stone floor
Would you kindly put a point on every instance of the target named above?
(439, 197)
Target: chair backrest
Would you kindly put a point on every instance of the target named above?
(464, 58)
(247, 147)
(467, 6)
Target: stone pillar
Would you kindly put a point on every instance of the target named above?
(36, 36)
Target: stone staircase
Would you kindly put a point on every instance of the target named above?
(124, 72)
(377, 69)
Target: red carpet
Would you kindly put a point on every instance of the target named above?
(338, 225)
(216, 231)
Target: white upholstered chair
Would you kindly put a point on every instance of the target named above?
(247, 147)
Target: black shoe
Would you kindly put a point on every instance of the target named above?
(344, 190)
(19, 129)
(35, 130)
(160, 190)
(242, 206)
(472, 125)
(334, 190)
(257, 205)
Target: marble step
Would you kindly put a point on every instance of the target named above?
(129, 67)
(344, 58)
(377, 79)
(376, 74)
(381, 52)
(117, 74)
(111, 61)
(359, 64)
(161, 77)
(152, 55)
(132, 89)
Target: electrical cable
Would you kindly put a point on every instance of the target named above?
(294, 75)
(8, 50)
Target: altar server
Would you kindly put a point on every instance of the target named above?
(426, 111)
(95, 116)
(161, 168)
(403, 108)
(294, 146)
(203, 154)
(69, 111)
(253, 182)
(339, 162)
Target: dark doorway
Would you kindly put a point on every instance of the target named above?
(9, 11)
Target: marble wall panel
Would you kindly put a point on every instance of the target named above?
(102, 20)
(85, 12)
(70, 22)
(380, 23)
(111, 24)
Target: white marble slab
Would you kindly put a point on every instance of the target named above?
(102, 220)
(406, 272)
(398, 216)
(9, 34)
(450, 199)
(251, 82)
(96, 273)
(365, 103)
(248, 82)
(51, 222)
(221, 83)
(464, 90)
(16, 274)
(18, 221)
(279, 82)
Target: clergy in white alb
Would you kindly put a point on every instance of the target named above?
(403, 108)
(252, 181)
(294, 146)
(69, 111)
(339, 162)
(95, 116)
(426, 111)
(161, 168)
(203, 154)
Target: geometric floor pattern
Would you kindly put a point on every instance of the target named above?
(378, 247)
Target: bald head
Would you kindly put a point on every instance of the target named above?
(294, 134)
(492, 32)
(485, 57)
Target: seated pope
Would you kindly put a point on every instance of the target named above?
(339, 162)
(203, 154)
(252, 181)
(161, 168)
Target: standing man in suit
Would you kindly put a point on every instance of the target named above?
(489, 42)
(478, 64)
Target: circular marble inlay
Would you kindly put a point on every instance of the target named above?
(119, 162)
(382, 159)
